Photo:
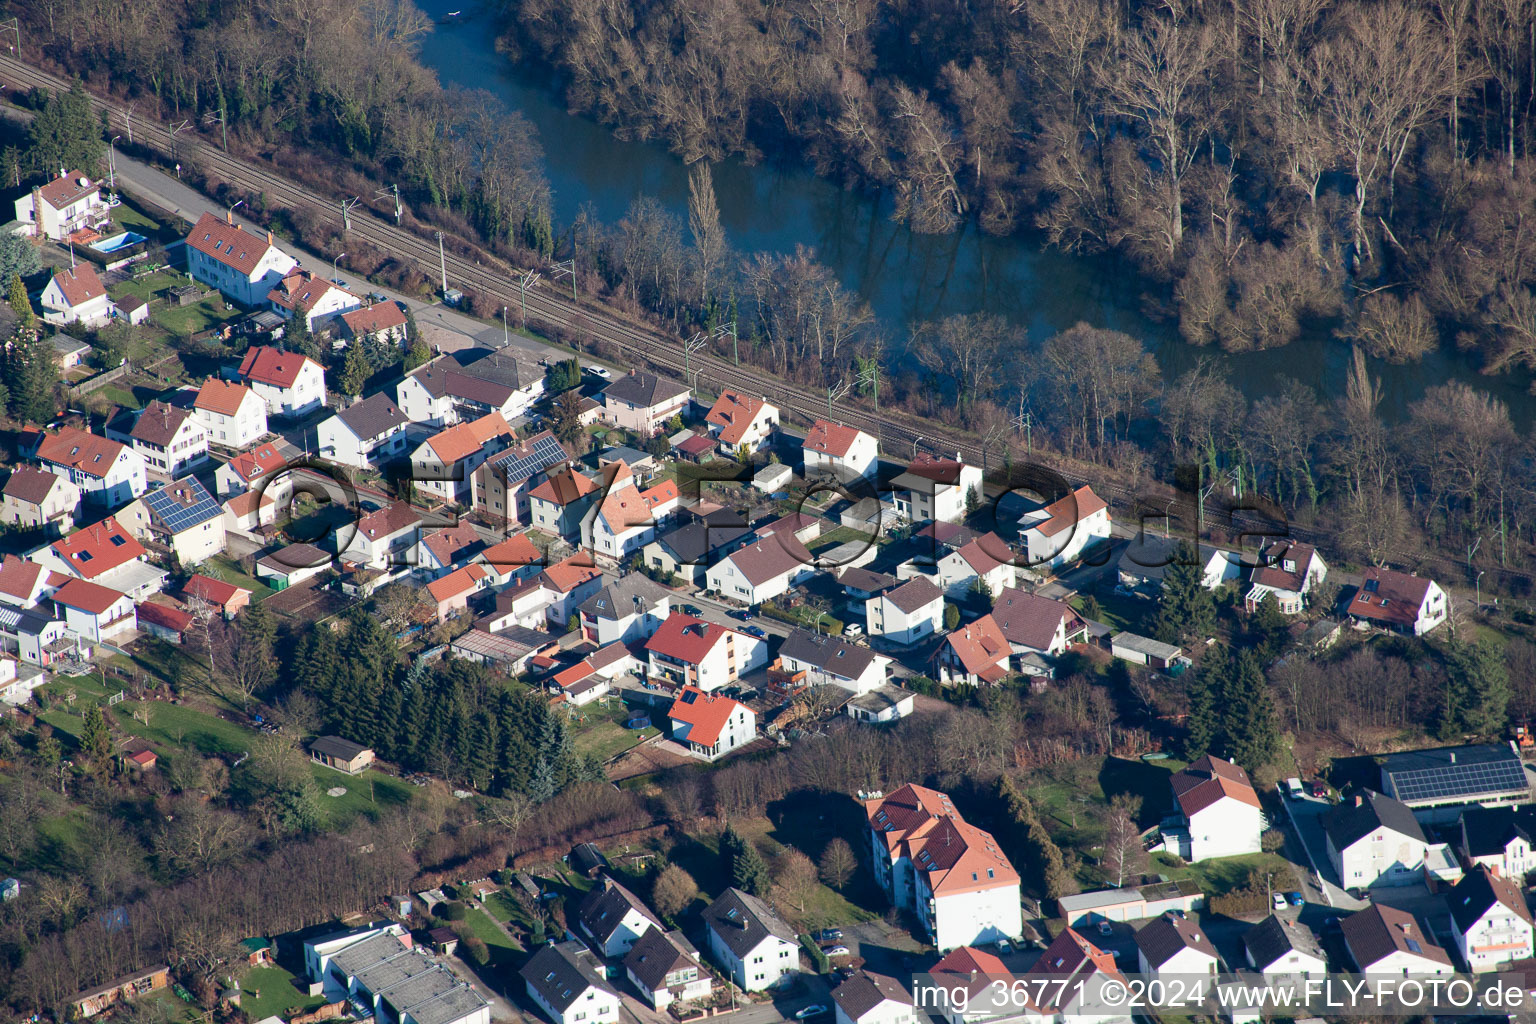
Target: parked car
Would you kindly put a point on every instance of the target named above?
(813, 1010)
(742, 615)
(1004, 946)
(598, 371)
(1278, 899)
(1297, 899)
(1105, 929)
(1174, 915)
(755, 631)
(694, 610)
(829, 935)
(838, 951)
(853, 629)
(1319, 789)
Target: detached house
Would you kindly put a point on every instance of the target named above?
(516, 558)
(252, 470)
(976, 653)
(984, 564)
(501, 486)
(76, 296)
(451, 593)
(243, 265)
(1490, 920)
(1171, 947)
(628, 611)
(107, 473)
(105, 553)
(364, 435)
(833, 660)
(611, 919)
(24, 583)
(37, 499)
(686, 651)
(459, 387)
(231, 413)
(69, 203)
(569, 583)
(761, 570)
(564, 983)
(710, 726)
(1219, 811)
(736, 421)
(869, 998)
(1400, 602)
(1288, 570)
(444, 464)
(182, 516)
(1082, 969)
(381, 539)
(950, 873)
(559, 505)
(1035, 624)
(383, 322)
(665, 968)
(291, 383)
(1375, 840)
(1500, 838)
(1279, 947)
(905, 613)
(94, 613)
(838, 452)
(625, 520)
(318, 301)
(752, 943)
(1061, 531)
(689, 550)
(1385, 941)
(438, 551)
(171, 440)
(937, 489)
(643, 402)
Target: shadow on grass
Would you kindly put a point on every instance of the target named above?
(1148, 782)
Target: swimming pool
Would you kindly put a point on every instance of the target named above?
(117, 242)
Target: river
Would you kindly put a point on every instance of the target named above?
(905, 277)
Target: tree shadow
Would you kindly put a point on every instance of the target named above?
(1146, 781)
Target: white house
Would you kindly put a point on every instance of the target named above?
(384, 322)
(23, 582)
(686, 651)
(976, 653)
(1490, 920)
(666, 969)
(830, 660)
(76, 295)
(761, 570)
(250, 470)
(839, 452)
(94, 613)
(456, 387)
(1500, 838)
(1385, 941)
(985, 563)
(291, 383)
(106, 553)
(318, 301)
(628, 610)
(564, 983)
(37, 498)
(1282, 947)
(241, 264)
(1035, 624)
(107, 473)
(1375, 840)
(171, 439)
(626, 518)
(643, 402)
(906, 613)
(1148, 556)
(231, 413)
(451, 593)
(439, 551)
(66, 204)
(1061, 531)
(1219, 810)
(383, 538)
(444, 464)
(1170, 947)
(182, 516)
(950, 873)
(752, 943)
(935, 488)
(391, 979)
(710, 726)
(559, 504)
(611, 918)
(869, 998)
(1288, 570)
(568, 583)
(1399, 602)
(735, 420)
(1082, 970)
(366, 434)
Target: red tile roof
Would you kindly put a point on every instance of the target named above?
(221, 396)
(695, 444)
(266, 365)
(571, 573)
(302, 291)
(686, 638)
(982, 553)
(97, 549)
(165, 616)
(462, 440)
(563, 487)
(512, 554)
(381, 316)
(969, 960)
(391, 519)
(706, 714)
(931, 467)
(143, 758)
(159, 423)
(87, 596)
(31, 484)
(228, 243)
(67, 189)
(18, 577)
(216, 592)
(1208, 781)
(733, 412)
(924, 826)
(258, 462)
(660, 494)
(460, 581)
(1274, 573)
(981, 648)
(1067, 512)
(448, 544)
(1389, 596)
(79, 284)
(80, 450)
(829, 438)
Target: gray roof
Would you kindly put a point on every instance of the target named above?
(1489, 830)
(1477, 892)
(372, 417)
(503, 368)
(24, 621)
(1359, 814)
(561, 973)
(743, 921)
(1165, 937)
(881, 698)
(630, 595)
(625, 454)
(409, 981)
(1145, 645)
(335, 746)
(692, 542)
(655, 955)
(829, 653)
(643, 389)
(527, 459)
(865, 991)
(1274, 937)
(913, 594)
(601, 911)
(1379, 931)
(866, 580)
(1156, 891)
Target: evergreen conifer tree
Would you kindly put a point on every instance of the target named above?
(95, 735)
(354, 371)
(1251, 738)
(1185, 608)
(1478, 688)
(1203, 687)
(32, 377)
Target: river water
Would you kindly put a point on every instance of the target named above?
(905, 277)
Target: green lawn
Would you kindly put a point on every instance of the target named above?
(803, 616)
(268, 991)
(185, 728)
(501, 945)
(198, 317)
(120, 396)
(225, 569)
(129, 219)
(1225, 874)
(602, 733)
(151, 286)
(1120, 612)
(366, 794)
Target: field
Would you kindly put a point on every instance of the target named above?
(366, 794)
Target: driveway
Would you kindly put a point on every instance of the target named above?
(1306, 814)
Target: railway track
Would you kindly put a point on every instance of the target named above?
(898, 433)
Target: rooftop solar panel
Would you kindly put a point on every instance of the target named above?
(1459, 780)
(544, 451)
(178, 512)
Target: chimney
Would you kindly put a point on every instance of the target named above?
(229, 217)
(1359, 800)
(269, 238)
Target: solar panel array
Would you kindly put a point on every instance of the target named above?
(544, 452)
(1459, 780)
(194, 506)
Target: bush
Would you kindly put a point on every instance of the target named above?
(1272, 840)
(453, 912)
(823, 965)
(477, 951)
